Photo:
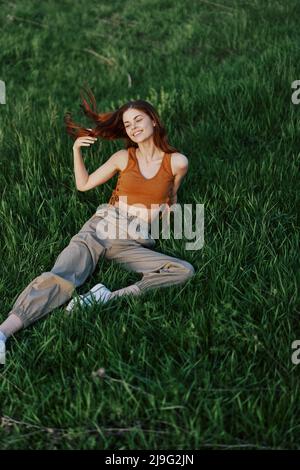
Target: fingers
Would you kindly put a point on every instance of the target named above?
(87, 141)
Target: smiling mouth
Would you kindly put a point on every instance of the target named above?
(137, 133)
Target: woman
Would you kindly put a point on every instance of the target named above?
(150, 173)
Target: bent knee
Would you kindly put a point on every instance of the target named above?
(48, 279)
(189, 270)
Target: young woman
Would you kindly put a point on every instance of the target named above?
(150, 173)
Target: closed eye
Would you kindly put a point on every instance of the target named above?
(138, 120)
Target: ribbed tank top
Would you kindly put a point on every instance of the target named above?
(141, 190)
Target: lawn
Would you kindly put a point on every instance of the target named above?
(204, 365)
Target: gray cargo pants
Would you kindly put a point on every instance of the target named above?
(79, 259)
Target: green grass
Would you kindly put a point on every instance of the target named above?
(203, 365)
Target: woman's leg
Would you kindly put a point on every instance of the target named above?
(130, 290)
(52, 289)
(158, 269)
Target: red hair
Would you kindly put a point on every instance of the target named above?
(110, 125)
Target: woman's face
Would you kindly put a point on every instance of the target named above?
(138, 125)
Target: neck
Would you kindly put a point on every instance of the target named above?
(149, 155)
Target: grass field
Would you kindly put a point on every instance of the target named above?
(206, 365)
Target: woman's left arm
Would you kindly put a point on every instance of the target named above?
(179, 164)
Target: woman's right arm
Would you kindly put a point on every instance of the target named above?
(84, 181)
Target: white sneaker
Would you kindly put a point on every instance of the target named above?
(99, 293)
(2, 351)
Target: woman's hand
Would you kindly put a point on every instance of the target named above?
(167, 210)
(173, 199)
(84, 141)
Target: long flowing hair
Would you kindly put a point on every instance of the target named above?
(110, 125)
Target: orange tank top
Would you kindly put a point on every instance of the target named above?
(141, 190)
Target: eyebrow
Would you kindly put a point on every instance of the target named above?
(133, 118)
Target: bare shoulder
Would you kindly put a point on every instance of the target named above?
(120, 159)
(179, 163)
